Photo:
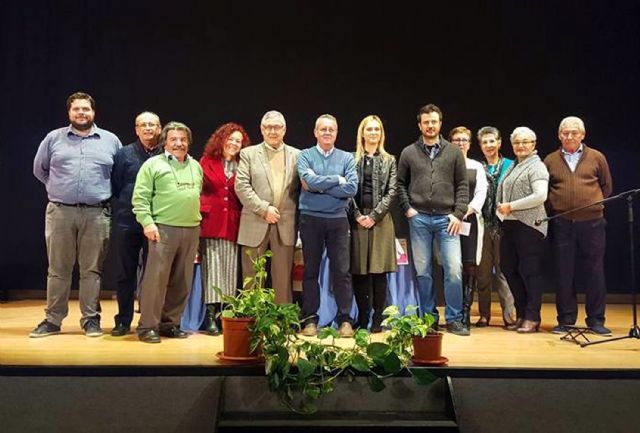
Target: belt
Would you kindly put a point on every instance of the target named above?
(102, 204)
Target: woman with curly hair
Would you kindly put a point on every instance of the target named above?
(220, 209)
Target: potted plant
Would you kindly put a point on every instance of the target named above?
(411, 331)
(251, 309)
(300, 370)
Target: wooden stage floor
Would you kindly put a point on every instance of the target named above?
(486, 348)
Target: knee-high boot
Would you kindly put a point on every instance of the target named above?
(211, 326)
(379, 301)
(361, 291)
(469, 287)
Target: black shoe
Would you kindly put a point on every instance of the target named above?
(211, 327)
(458, 328)
(559, 329)
(600, 330)
(44, 329)
(92, 328)
(173, 332)
(120, 330)
(149, 336)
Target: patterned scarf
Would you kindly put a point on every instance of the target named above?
(491, 220)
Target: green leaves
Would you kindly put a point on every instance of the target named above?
(300, 370)
(377, 350)
(327, 332)
(423, 376)
(360, 363)
(305, 368)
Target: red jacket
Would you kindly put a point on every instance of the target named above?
(219, 205)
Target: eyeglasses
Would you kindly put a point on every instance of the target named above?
(276, 128)
(523, 143)
(460, 140)
(147, 124)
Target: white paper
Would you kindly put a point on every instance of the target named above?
(465, 228)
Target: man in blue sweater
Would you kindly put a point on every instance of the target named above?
(329, 180)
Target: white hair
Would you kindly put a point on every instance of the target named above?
(523, 130)
(273, 115)
(570, 121)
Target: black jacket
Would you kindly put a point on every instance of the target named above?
(126, 165)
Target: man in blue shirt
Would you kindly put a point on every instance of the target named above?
(329, 181)
(74, 163)
(127, 236)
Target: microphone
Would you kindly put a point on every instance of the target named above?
(537, 222)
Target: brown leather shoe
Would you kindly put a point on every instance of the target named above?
(529, 327)
(310, 330)
(346, 331)
(514, 326)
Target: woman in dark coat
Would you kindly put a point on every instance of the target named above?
(373, 253)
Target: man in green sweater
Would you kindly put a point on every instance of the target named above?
(166, 202)
(578, 175)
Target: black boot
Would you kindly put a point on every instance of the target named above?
(211, 327)
(468, 287)
(379, 301)
(361, 292)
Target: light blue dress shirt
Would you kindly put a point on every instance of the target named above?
(76, 169)
(572, 158)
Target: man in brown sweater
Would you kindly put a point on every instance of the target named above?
(578, 176)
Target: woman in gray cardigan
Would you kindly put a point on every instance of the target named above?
(520, 199)
(373, 252)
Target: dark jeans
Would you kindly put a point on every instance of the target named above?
(522, 253)
(316, 234)
(578, 251)
(127, 241)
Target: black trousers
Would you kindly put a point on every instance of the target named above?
(371, 292)
(522, 255)
(578, 252)
(333, 234)
(127, 241)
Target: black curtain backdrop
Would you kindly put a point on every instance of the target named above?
(501, 63)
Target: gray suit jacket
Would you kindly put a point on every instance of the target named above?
(254, 189)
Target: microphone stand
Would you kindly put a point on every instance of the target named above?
(575, 332)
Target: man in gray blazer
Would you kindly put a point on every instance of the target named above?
(267, 184)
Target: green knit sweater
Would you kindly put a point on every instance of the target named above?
(168, 192)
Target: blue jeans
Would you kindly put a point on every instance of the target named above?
(424, 229)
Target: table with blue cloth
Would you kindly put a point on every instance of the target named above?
(400, 292)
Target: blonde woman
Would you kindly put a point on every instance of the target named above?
(373, 252)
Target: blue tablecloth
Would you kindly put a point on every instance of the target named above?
(401, 292)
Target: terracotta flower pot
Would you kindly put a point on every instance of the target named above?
(427, 349)
(237, 340)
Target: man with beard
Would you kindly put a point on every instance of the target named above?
(433, 193)
(74, 163)
(127, 236)
(166, 202)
